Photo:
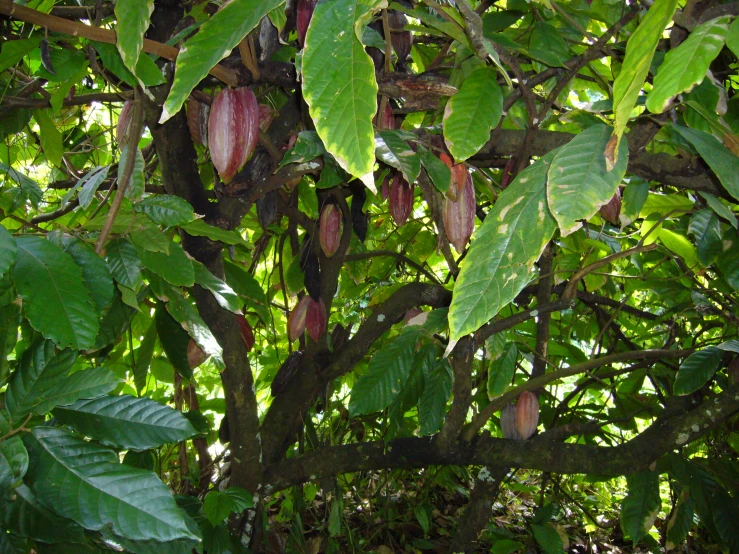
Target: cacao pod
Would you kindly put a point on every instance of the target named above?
(508, 423)
(316, 319)
(359, 218)
(195, 355)
(459, 216)
(233, 130)
(377, 57)
(527, 414)
(296, 321)
(612, 210)
(305, 13)
(386, 119)
(266, 117)
(286, 372)
(312, 275)
(197, 121)
(508, 173)
(330, 227)
(124, 119)
(401, 200)
(267, 208)
(459, 176)
(247, 335)
(401, 40)
(386, 186)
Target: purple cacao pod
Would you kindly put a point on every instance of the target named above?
(305, 13)
(266, 117)
(527, 414)
(197, 121)
(459, 216)
(247, 335)
(386, 119)
(459, 176)
(401, 199)
(330, 229)
(508, 173)
(233, 130)
(401, 40)
(508, 423)
(296, 321)
(316, 319)
(612, 209)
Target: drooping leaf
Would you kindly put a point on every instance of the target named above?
(29, 188)
(133, 20)
(9, 320)
(167, 210)
(124, 263)
(640, 508)
(126, 422)
(147, 71)
(696, 370)
(579, 182)
(143, 357)
(721, 209)
(395, 152)
(413, 388)
(94, 269)
(200, 228)
(84, 482)
(8, 250)
(472, 113)
(137, 181)
(439, 172)
(175, 267)
(308, 146)
(51, 138)
(13, 463)
(55, 298)
(339, 84)
(214, 41)
(686, 66)
(548, 538)
(224, 294)
(248, 288)
(500, 373)
(174, 340)
(217, 506)
(706, 228)
(501, 259)
(639, 53)
(88, 185)
(436, 393)
(680, 521)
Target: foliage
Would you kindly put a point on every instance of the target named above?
(140, 411)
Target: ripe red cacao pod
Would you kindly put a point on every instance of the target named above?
(527, 414)
(296, 321)
(459, 216)
(197, 121)
(401, 40)
(508, 423)
(611, 211)
(330, 226)
(195, 355)
(316, 319)
(386, 119)
(247, 335)
(401, 199)
(305, 13)
(233, 130)
(266, 117)
(459, 176)
(124, 119)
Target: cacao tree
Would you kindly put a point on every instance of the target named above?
(231, 316)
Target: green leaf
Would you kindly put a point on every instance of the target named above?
(247, 287)
(94, 270)
(146, 70)
(395, 152)
(143, 357)
(506, 546)
(124, 263)
(174, 340)
(29, 188)
(548, 538)
(13, 51)
(438, 389)
(55, 298)
(686, 66)
(640, 508)
(9, 320)
(696, 370)
(187, 315)
(42, 381)
(84, 482)
(126, 422)
(217, 506)
(639, 53)
(166, 209)
(579, 182)
(680, 521)
(51, 138)
(339, 84)
(308, 146)
(633, 198)
(137, 182)
(387, 372)
(719, 158)
(412, 389)
(8, 250)
(500, 262)
(133, 21)
(500, 373)
(706, 228)
(26, 517)
(13, 463)
(725, 515)
(175, 267)
(439, 172)
(732, 38)
(664, 204)
(721, 209)
(472, 113)
(547, 45)
(89, 184)
(200, 228)
(214, 41)
(225, 295)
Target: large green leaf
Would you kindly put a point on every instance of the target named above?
(84, 482)
(719, 158)
(339, 84)
(8, 250)
(436, 393)
(579, 182)
(200, 228)
(412, 389)
(706, 227)
(247, 287)
(175, 267)
(124, 263)
(696, 370)
(686, 66)
(29, 188)
(500, 261)
(386, 374)
(95, 271)
(640, 508)
(548, 538)
(174, 340)
(166, 209)
(472, 113)
(42, 381)
(51, 138)
(639, 53)
(214, 41)
(133, 20)
(13, 464)
(224, 294)
(26, 517)
(55, 298)
(126, 422)
(394, 151)
(500, 373)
